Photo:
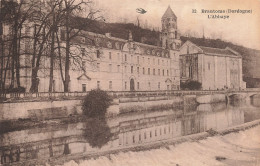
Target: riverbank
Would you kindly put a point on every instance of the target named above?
(233, 146)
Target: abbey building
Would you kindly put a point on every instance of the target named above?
(115, 64)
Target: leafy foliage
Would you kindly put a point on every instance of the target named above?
(15, 90)
(96, 103)
(191, 85)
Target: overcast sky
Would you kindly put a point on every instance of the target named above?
(243, 29)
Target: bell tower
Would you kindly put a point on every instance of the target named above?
(169, 35)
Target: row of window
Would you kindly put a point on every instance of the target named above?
(138, 59)
(137, 70)
(110, 86)
(148, 135)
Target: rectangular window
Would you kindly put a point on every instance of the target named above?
(110, 56)
(209, 66)
(159, 72)
(27, 45)
(118, 68)
(120, 141)
(153, 71)
(155, 134)
(98, 84)
(27, 30)
(144, 135)
(138, 85)
(118, 57)
(125, 69)
(63, 35)
(143, 59)
(138, 70)
(98, 66)
(110, 85)
(148, 60)
(153, 61)
(125, 57)
(98, 54)
(125, 85)
(162, 62)
(149, 85)
(163, 72)
(167, 72)
(159, 85)
(148, 71)
(168, 87)
(133, 139)
(132, 59)
(110, 67)
(84, 64)
(84, 88)
(158, 61)
(143, 71)
(132, 69)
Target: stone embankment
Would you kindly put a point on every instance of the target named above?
(45, 110)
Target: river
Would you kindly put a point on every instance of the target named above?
(57, 144)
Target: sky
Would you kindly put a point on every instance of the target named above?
(242, 29)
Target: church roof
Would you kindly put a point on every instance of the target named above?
(211, 50)
(169, 13)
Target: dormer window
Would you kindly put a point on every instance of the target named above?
(83, 51)
(82, 39)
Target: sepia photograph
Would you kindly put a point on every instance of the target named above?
(129, 83)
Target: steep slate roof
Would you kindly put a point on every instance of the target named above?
(211, 50)
(169, 13)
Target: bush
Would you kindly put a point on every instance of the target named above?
(191, 85)
(15, 90)
(96, 103)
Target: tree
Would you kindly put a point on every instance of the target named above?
(191, 85)
(47, 19)
(95, 104)
(14, 14)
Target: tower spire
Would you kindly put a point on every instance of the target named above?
(169, 13)
(170, 37)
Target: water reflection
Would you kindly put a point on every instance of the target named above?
(123, 131)
(97, 132)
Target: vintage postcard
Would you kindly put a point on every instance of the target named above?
(129, 82)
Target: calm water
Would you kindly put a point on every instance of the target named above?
(77, 140)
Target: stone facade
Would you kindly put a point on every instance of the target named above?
(115, 64)
(214, 68)
(125, 65)
(109, 63)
